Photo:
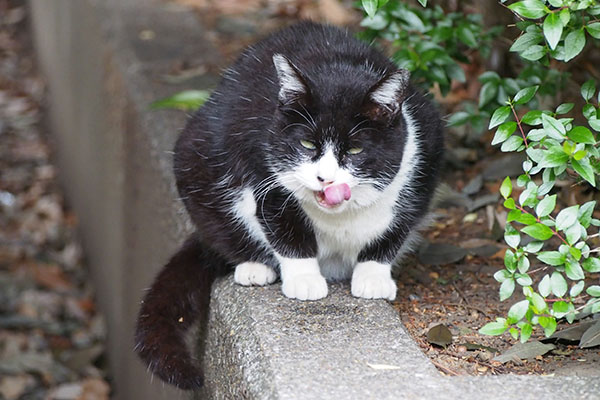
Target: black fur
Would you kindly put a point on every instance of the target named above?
(246, 133)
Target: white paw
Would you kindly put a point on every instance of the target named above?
(305, 287)
(254, 274)
(373, 280)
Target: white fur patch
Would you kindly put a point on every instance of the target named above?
(301, 278)
(373, 280)
(244, 210)
(254, 274)
(390, 91)
(346, 230)
(290, 83)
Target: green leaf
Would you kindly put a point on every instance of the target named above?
(538, 231)
(511, 236)
(585, 170)
(510, 261)
(494, 328)
(499, 116)
(552, 125)
(533, 117)
(506, 187)
(558, 284)
(538, 302)
(370, 6)
(593, 30)
(546, 206)
(467, 36)
(458, 118)
(564, 108)
(510, 204)
(503, 132)
(533, 247)
(588, 89)
(553, 28)
(544, 286)
(526, 331)
(532, 9)
(595, 124)
(560, 308)
(567, 217)
(523, 279)
(585, 213)
(507, 288)
(488, 92)
(523, 266)
(576, 289)
(592, 265)
(526, 40)
(593, 291)
(188, 100)
(581, 134)
(534, 53)
(423, 2)
(518, 310)
(574, 271)
(574, 43)
(525, 95)
(552, 258)
(549, 325)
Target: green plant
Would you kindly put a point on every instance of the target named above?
(427, 42)
(558, 147)
(559, 144)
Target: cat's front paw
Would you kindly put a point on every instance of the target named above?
(305, 287)
(373, 280)
(254, 274)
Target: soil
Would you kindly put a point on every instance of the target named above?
(463, 296)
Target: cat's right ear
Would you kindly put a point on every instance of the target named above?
(292, 87)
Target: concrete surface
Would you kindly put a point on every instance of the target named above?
(115, 164)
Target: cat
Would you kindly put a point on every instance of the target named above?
(313, 160)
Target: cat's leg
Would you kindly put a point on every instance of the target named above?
(373, 280)
(254, 274)
(301, 278)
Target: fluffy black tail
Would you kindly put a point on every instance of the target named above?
(179, 296)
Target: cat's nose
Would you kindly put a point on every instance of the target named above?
(324, 181)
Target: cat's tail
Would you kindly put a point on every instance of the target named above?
(179, 296)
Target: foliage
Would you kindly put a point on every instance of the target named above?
(428, 42)
(187, 100)
(560, 144)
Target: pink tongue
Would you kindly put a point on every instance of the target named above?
(335, 194)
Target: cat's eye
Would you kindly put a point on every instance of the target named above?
(307, 144)
(355, 150)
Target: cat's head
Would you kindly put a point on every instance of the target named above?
(337, 139)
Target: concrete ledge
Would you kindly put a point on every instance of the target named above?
(116, 166)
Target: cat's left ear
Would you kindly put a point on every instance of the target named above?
(384, 100)
(292, 86)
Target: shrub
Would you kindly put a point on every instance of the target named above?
(559, 142)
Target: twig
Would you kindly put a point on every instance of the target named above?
(444, 369)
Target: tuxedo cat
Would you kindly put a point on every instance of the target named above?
(313, 160)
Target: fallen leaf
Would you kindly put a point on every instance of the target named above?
(573, 333)
(523, 351)
(591, 337)
(474, 185)
(440, 253)
(439, 335)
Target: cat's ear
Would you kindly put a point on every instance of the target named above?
(384, 100)
(292, 86)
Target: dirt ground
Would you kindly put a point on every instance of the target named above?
(463, 296)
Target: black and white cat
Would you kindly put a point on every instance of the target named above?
(313, 160)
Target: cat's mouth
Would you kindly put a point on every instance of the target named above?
(333, 195)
